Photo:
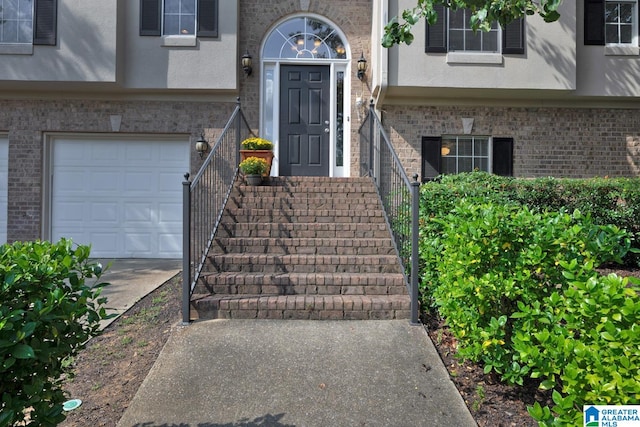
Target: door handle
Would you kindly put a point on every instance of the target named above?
(326, 130)
(326, 122)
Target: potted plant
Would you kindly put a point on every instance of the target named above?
(253, 169)
(257, 147)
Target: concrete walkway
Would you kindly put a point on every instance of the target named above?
(297, 373)
(131, 279)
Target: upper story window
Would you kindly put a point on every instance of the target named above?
(612, 23)
(452, 33)
(463, 38)
(24, 23)
(179, 18)
(620, 23)
(16, 21)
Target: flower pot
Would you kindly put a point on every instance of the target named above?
(261, 154)
(253, 179)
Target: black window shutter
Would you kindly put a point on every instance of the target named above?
(513, 38)
(150, 17)
(594, 22)
(208, 18)
(503, 156)
(45, 22)
(431, 157)
(437, 33)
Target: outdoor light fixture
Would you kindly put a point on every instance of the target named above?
(246, 63)
(202, 146)
(362, 67)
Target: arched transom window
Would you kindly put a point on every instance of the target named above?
(304, 38)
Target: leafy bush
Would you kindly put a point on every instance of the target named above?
(583, 343)
(516, 283)
(495, 256)
(47, 313)
(255, 143)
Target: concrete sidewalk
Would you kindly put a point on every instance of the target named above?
(132, 279)
(297, 373)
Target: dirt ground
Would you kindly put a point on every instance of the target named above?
(112, 367)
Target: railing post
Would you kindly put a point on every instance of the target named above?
(186, 250)
(238, 132)
(415, 218)
(371, 142)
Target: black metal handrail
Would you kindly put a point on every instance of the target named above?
(204, 199)
(400, 197)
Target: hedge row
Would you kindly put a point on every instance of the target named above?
(517, 285)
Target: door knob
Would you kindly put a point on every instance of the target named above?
(326, 122)
(326, 130)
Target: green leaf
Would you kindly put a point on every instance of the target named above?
(23, 351)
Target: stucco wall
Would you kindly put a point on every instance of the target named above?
(559, 142)
(549, 62)
(85, 51)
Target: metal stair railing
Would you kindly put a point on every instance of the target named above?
(204, 199)
(399, 195)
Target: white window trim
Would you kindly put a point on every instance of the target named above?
(625, 49)
(489, 155)
(171, 37)
(472, 58)
(459, 57)
(13, 48)
(178, 40)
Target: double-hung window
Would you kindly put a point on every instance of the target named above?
(452, 33)
(451, 154)
(612, 23)
(24, 23)
(179, 18)
(619, 22)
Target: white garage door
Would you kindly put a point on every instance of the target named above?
(4, 184)
(124, 197)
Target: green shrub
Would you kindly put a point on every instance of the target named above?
(493, 257)
(513, 273)
(583, 343)
(47, 313)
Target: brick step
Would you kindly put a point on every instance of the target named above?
(304, 230)
(308, 307)
(312, 193)
(302, 284)
(289, 246)
(304, 215)
(279, 203)
(253, 263)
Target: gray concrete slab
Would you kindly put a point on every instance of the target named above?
(297, 373)
(131, 279)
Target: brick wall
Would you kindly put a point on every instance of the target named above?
(27, 122)
(560, 142)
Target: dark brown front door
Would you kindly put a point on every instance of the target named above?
(304, 120)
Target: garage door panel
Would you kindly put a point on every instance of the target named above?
(168, 245)
(136, 154)
(105, 214)
(120, 197)
(170, 213)
(138, 212)
(138, 243)
(103, 154)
